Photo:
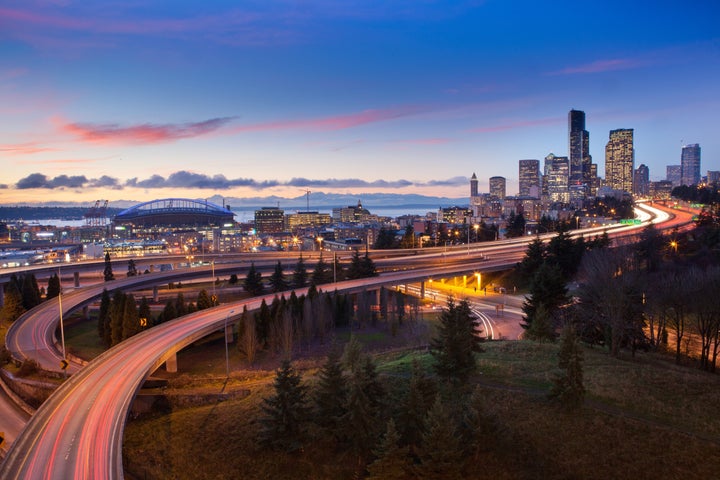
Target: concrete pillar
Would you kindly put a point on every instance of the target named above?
(229, 332)
(156, 297)
(2, 295)
(171, 364)
(86, 312)
(405, 289)
(422, 290)
(464, 281)
(76, 279)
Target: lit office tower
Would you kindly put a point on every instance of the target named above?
(641, 181)
(497, 187)
(673, 174)
(690, 165)
(530, 178)
(620, 160)
(473, 185)
(557, 171)
(579, 149)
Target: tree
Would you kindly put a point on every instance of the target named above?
(568, 388)
(263, 319)
(247, 336)
(131, 318)
(548, 290)
(117, 315)
(132, 268)
(441, 452)
(392, 462)
(415, 405)
(53, 288)
(104, 317)
(321, 274)
(203, 300)
(456, 343)
(515, 225)
(277, 279)
(30, 291)
(12, 306)
(253, 281)
(285, 412)
(385, 239)
(331, 393)
(408, 239)
(368, 266)
(533, 260)
(300, 275)
(107, 272)
(145, 314)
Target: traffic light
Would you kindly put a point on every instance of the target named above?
(63, 364)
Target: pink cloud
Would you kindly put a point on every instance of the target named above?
(23, 149)
(519, 124)
(139, 134)
(599, 66)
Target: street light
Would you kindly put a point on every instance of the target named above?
(320, 240)
(62, 328)
(227, 355)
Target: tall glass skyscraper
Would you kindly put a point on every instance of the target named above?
(690, 165)
(530, 178)
(579, 149)
(620, 160)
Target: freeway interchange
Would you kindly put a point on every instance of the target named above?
(77, 433)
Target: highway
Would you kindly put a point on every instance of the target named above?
(77, 432)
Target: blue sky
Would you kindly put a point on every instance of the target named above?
(141, 100)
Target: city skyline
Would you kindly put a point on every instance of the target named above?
(134, 102)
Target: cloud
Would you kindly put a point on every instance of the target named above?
(600, 66)
(39, 180)
(24, 148)
(519, 124)
(146, 133)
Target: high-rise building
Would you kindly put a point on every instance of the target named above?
(620, 160)
(473, 185)
(674, 174)
(555, 180)
(690, 164)
(641, 181)
(713, 177)
(269, 220)
(579, 149)
(530, 178)
(497, 187)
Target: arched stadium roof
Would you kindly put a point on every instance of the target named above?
(175, 212)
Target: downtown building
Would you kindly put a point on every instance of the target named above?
(529, 176)
(690, 165)
(673, 174)
(556, 179)
(579, 151)
(498, 186)
(641, 181)
(620, 160)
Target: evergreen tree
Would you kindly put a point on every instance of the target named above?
(145, 314)
(168, 313)
(415, 405)
(277, 279)
(408, 239)
(117, 315)
(456, 344)
(515, 225)
(368, 267)
(30, 291)
(568, 386)
(300, 274)
(533, 260)
(263, 319)
(441, 452)
(107, 272)
(393, 461)
(12, 306)
(547, 289)
(542, 326)
(285, 412)
(321, 274)
(103, 316)
(360, 422)
(253, 281)
(385, 239)
(132, 268)
(53, 289)
(203, 300)
(131, 318)
(355, 269)
(180, 305)
(331, 393)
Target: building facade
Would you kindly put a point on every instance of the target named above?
(473, 185)
(530, 178)
(690, 165)
(556, 179)
(620, 160)
(498, 187)
(269, 220)
(641, 181)
(673, 174)
(579, 149)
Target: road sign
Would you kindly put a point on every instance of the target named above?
(2, 438)
(63, 364)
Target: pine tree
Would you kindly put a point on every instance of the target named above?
(285, 412)
(300, 275)
(203, 300)
(180, 305)
(30, 291)
(132, 268)
(277, 279)
(321, 274)
(117, 314)
(53, 288)
(441, 452)
(253, 281)
(456, 344)
(131, 318)
(103, 315)
(331, 393)
(263, 319)
(547, 289)
(145, 314)
(12, 306)
(107, 272)
(368, 266)
(393, 461)
(354, 271)
(415, 405)
(360, 422)
(568, 386)
(533, 259)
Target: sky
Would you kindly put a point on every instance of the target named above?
(139, 100)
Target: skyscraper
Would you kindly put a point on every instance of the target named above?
(620, 160)
(473, 185)
(641, 181)
(555, 181)
(690, 165)
(579, 149)
(530, 178)
(674, 174)
(497, 187)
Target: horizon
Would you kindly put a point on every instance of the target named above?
(129, 101)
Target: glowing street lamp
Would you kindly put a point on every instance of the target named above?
(320, 240)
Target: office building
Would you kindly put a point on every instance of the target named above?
(579, 149)
(556, 178)
(473, 185)
(690, 165)
(673, 174)
(269, 220)
(620, 160)
(641, 181)
(713, 177)
(530, 178)
(497, 187)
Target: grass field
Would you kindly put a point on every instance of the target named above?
(643, 418)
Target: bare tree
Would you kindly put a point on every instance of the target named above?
(705, 315)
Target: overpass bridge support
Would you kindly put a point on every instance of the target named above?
(171, 365)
